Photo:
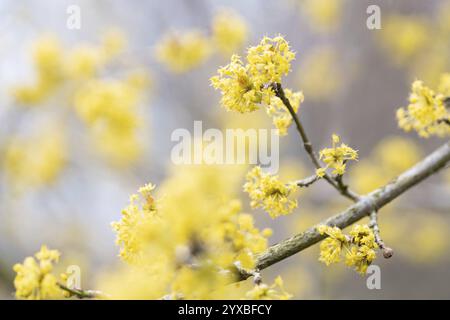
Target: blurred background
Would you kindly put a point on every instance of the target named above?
(86, 117)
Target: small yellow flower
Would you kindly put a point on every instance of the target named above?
(336, 157)
(426, 112)
(34, 279)
(359, 246)
(265, 292)
(269, 193)
(181, 52)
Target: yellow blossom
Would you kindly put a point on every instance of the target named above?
(281, 117)
(247, 86)
(270, 60)
(359, 246)
(181, 52)
(269, 193)
(404, 37)
(193, 237)
(426, 112)
(229, 31)
(265, 292)
(324, 14)
(34, 279)
(48, 62)
(336, 157)
(109, 108)
(36, 162)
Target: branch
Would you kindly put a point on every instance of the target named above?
(304, 183)
(307, 145)
(368, 203)
(83, 294)
(387, 252)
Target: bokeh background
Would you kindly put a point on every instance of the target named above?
(63, 178)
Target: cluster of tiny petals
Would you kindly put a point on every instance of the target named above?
(171, 235)
(268, 192)
(281, 117)
(264, 291)
(336, 157)
(427, 112)
(359, 246)
(34, 279)
(245, 86)
(270, 60)
(181, 52)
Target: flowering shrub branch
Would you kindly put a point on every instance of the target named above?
(375, 200)
(307, 145)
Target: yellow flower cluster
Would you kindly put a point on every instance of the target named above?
(426, 113)
(336, 157)
(54, 66)
(246, 86)
(229, 31)
(48, 62)
(280, 115)
(181, 52)
(265, 292)
(404, 37)
(324, 14)
(268, 192)
(34, 279)
(109, 108)
(359, 246)
(36, 162)
(192, 239)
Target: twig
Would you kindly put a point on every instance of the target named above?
(374, 200)
(304, 183)
(83, 294)
(387, 252)
(279, 92)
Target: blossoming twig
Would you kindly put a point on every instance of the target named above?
(344, 190)
(378, 198)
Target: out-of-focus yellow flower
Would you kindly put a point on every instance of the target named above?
(113, 43)
(34, 279)
(404, 36)
(325, 15)
(195, 235)
(319, 75)
(109, 108)
(36, 162)
(269, 193)
(426, 112)
(83, 62)
(48, 62)
(281, 117)
(336, 157)
(229, 31)
(181, 52)
(265, 292)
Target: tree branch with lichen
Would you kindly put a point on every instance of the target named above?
(362, 208)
